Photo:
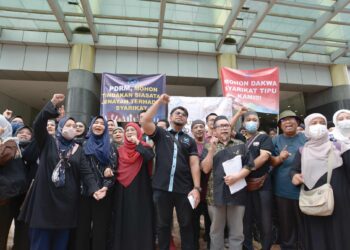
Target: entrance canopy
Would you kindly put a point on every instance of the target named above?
(314, 31)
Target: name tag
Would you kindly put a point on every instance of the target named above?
(256, 143)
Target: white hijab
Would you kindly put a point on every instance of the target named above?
(315, 153)
(7, 126)
(341, 135)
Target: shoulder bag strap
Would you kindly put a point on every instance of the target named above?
(330, 163)
(252, 140)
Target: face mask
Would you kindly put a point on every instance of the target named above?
(68, 133)
(251, 126)
(344, 124)
(317, 131)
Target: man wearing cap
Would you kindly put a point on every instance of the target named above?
(259, 196)
(198, 132)
(286, 194)
(177, 174)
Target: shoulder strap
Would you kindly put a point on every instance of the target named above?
(330, 163)
(250, 142)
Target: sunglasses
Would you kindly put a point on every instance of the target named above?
(180, 113)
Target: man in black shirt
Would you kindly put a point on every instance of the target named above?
(177, 170)
(259, 199)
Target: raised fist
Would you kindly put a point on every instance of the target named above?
(164, 98)
(57, 99)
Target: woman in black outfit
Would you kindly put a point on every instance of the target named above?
(52, 206)
(311, 169)
(13, 186)
(91, 212)
(133, 207)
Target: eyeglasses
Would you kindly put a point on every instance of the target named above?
(222, 126)
(180, 113)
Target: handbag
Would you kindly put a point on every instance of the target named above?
(256, 183)
(319, 201)
(8, 150)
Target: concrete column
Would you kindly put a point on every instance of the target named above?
(223, 60)
(83, 95)
(339, 74)
(330, 100)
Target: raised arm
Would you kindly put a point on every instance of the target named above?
(48, 112)
(207, 162)
(237, 115)
(146, 152)
(147, 125)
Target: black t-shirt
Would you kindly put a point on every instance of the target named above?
(261, 142)
(173, 151)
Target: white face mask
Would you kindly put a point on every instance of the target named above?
(317, 131)
(344, 124)
(68, 133)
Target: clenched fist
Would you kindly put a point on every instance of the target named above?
(57, 99)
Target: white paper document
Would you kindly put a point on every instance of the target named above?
(233, 166)
(191, 200)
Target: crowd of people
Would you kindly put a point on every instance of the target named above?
(67, 185)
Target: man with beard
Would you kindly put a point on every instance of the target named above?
(198, 132)
(177, 170)
(223, 206)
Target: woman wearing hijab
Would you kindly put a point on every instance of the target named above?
(96, 213)
(133, 222)
(117, 137)
(341, 132)
(311, 169)
(51, 209)
(13, 185)
(81, 133)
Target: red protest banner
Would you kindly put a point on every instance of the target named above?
(257, 89)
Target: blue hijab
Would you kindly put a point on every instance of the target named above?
(98, 145)
(63, 144)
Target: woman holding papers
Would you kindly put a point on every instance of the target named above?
(312, 164)
(226, 194)
(133, 207)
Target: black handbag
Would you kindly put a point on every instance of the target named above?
(13, 179)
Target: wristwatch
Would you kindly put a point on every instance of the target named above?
(199, 189)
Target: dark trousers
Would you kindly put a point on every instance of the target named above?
(165, 203)
(258, 210)
(202, 209)
(93, 223)
(290, 224)
(49, 239)
(9, 211)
